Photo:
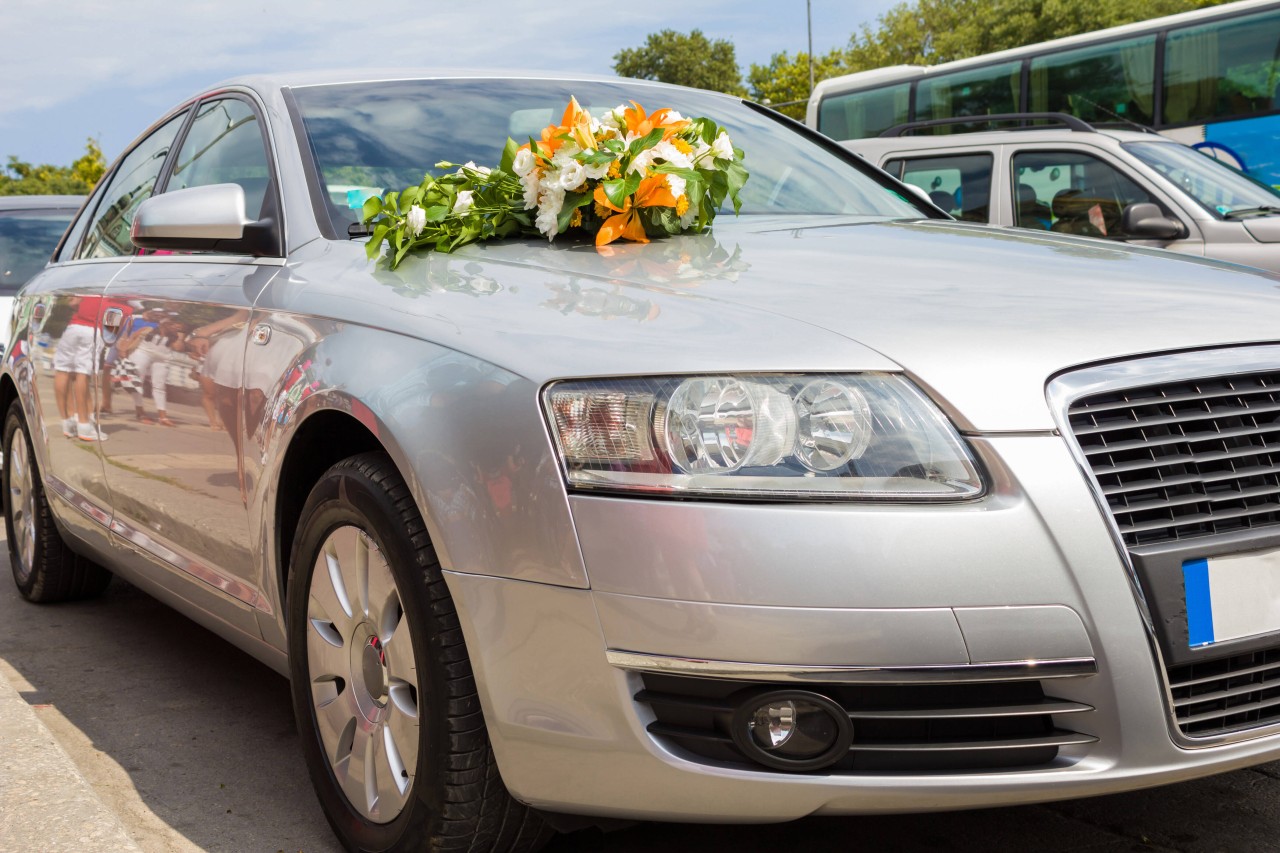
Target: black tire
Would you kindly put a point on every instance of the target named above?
(44, 568)
(456, 800)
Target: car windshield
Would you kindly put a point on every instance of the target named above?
(1219, 188)
(369, 138)
(27, 239)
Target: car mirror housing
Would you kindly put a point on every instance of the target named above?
(1146, 221)
(208, 218)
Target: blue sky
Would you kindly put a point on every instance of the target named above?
(108, 70)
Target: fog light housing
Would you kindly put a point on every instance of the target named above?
(792, 730)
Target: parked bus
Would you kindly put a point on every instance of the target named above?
(1209, 78)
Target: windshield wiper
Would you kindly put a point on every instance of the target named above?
(1260, 210)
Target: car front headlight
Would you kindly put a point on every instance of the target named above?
(867, 436)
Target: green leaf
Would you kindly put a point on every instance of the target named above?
(374, 247)
(594, 158)
(614, 145)
(616, 191)
(372, 207)
(508, 155)
(410, 197)
(666, 219)
(436, 212)
(645, 142)
(736, 176)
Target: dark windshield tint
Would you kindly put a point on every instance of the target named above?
(27, 239)
(375, 137)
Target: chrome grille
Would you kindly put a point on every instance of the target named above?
(1227, 694)
(1185, 459)
(921, 728)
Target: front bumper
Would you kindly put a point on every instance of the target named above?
(825, 594)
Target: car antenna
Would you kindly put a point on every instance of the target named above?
(1139, 126)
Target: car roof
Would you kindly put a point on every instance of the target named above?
(1002, 137)
(33, 202)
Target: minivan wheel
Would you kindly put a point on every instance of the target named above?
(44, 568)
(382, 686)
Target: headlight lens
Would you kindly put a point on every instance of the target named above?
(871, 436)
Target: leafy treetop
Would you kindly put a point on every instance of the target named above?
(686, 60)
(20, 178)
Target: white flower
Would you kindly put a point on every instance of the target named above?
(690, 216)
(666, 151)
(472, 167)
(416, 219)
(597, 171)
(463, 202)
(677, 185)
(700, 158)
(530, 180)
(615, 118)
(523, 163)
(549, 204)
(722, 147)
(572, 175)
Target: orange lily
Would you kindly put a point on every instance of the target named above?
(642, 125)
(577, 124)
(654, 191)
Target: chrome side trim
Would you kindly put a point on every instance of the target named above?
(1065, 389)
(240, 260)
(1026, 670)
(76, 500)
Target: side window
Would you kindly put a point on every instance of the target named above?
(1102, 83)
(960, 184)
(133, 182)
(863, 114)
(1227, 68)
(984, 91)
(894, 167)
(1073, 193)
(224, 146)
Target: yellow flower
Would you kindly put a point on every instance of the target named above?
(576, 219)
(681, 146)
(615, 171)
(682, 205)
(602, 211)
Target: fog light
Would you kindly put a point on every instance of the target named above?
(792, 730)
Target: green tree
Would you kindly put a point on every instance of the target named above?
(21, 178)
(787, 79)
(686, 60)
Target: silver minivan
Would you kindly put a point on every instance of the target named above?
(1123, 185)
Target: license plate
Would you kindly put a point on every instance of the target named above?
(1232, 597)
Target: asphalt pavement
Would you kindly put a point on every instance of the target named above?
(126, 727)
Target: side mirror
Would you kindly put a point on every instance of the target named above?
(1145, 221)
(921, 194)
(202, 219)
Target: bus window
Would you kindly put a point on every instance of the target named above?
(861, 114)
(959, 184)
(1109, 82)
(1226, 68)
(982, 91)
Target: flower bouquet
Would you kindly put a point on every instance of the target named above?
(629, 175)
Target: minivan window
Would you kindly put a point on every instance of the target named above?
(1080, 193)
(960, 184)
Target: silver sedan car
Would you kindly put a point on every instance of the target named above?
(837, 508)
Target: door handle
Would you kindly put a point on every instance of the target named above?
(112, 320)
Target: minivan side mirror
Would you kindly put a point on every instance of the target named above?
(1146, 221)
(202, 219)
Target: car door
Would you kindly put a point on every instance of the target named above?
(65, 338)
(174, 462)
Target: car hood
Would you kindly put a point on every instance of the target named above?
(981, 317)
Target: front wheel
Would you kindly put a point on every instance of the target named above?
(44, 568)
(382, 687)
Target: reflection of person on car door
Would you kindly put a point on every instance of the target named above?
(153, 349)
(74, 362)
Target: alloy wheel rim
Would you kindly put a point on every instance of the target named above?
(22, 505)
(363, 677)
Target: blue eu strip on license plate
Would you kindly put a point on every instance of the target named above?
(1232, 597)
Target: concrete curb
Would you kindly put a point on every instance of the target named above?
(45, 802)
